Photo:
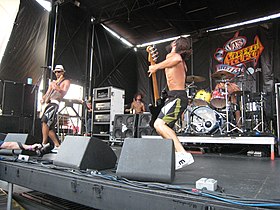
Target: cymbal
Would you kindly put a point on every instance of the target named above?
(190, 86)
(222, 75)
(193, 78)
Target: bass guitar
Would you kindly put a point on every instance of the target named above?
(47, 99)
(158, 102)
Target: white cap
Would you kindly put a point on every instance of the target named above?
(58, 68)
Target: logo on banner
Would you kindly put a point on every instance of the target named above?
(234, 55)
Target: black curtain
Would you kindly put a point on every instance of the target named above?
(71, 50)
(25, 52)
(114, 64)
(204, 47)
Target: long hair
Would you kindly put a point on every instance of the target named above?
(139, 94)
(183, 47)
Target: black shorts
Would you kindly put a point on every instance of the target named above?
(50, 115)
(174, 106)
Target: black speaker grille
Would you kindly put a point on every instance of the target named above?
(144, 120)
(130, 121)
(118, 120)
(12, 98)
(117, 133)
(144, 128)
(124, 126)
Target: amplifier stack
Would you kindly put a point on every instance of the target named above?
(131, 126)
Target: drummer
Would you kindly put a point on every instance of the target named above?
(232, 89)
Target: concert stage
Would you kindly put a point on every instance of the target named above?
(232, 139)
(243, 183)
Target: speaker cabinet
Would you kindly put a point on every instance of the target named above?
(28, 100)
(144, 127)
(124, 126)
(82, 152)
(147, 160)
(23, 138)
(9, 124)
(12, 98)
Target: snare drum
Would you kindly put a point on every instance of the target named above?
(201, 98)
(218, 99)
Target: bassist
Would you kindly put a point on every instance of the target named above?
(176, 102)
(56, 91)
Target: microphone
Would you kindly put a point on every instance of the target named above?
(46, 67)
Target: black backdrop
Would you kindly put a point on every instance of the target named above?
(203, 62)
(113, 63)
(26, 49)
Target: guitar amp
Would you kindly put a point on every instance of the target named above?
(102, 105)
(102, 118)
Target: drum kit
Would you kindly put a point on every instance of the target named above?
(225, 110)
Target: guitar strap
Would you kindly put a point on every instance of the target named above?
(60, 82)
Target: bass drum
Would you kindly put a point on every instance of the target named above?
(205, 120)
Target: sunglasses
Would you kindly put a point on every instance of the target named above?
(57, 72)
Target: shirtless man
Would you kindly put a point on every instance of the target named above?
(137, 106)
(56, 91)
(176, 102)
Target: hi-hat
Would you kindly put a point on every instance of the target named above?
(222, 75)
(193, 78)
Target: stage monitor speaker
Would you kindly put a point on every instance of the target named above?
(144, 128)
(2, 136)
(23, 138)
(124, 126)
(82, 152)
(147, 160)
(12, 98)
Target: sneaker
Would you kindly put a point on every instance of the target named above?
(183, 159)
(55, 149)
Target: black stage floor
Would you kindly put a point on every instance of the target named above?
(251, 177)
(237, 174)
(243, 183)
